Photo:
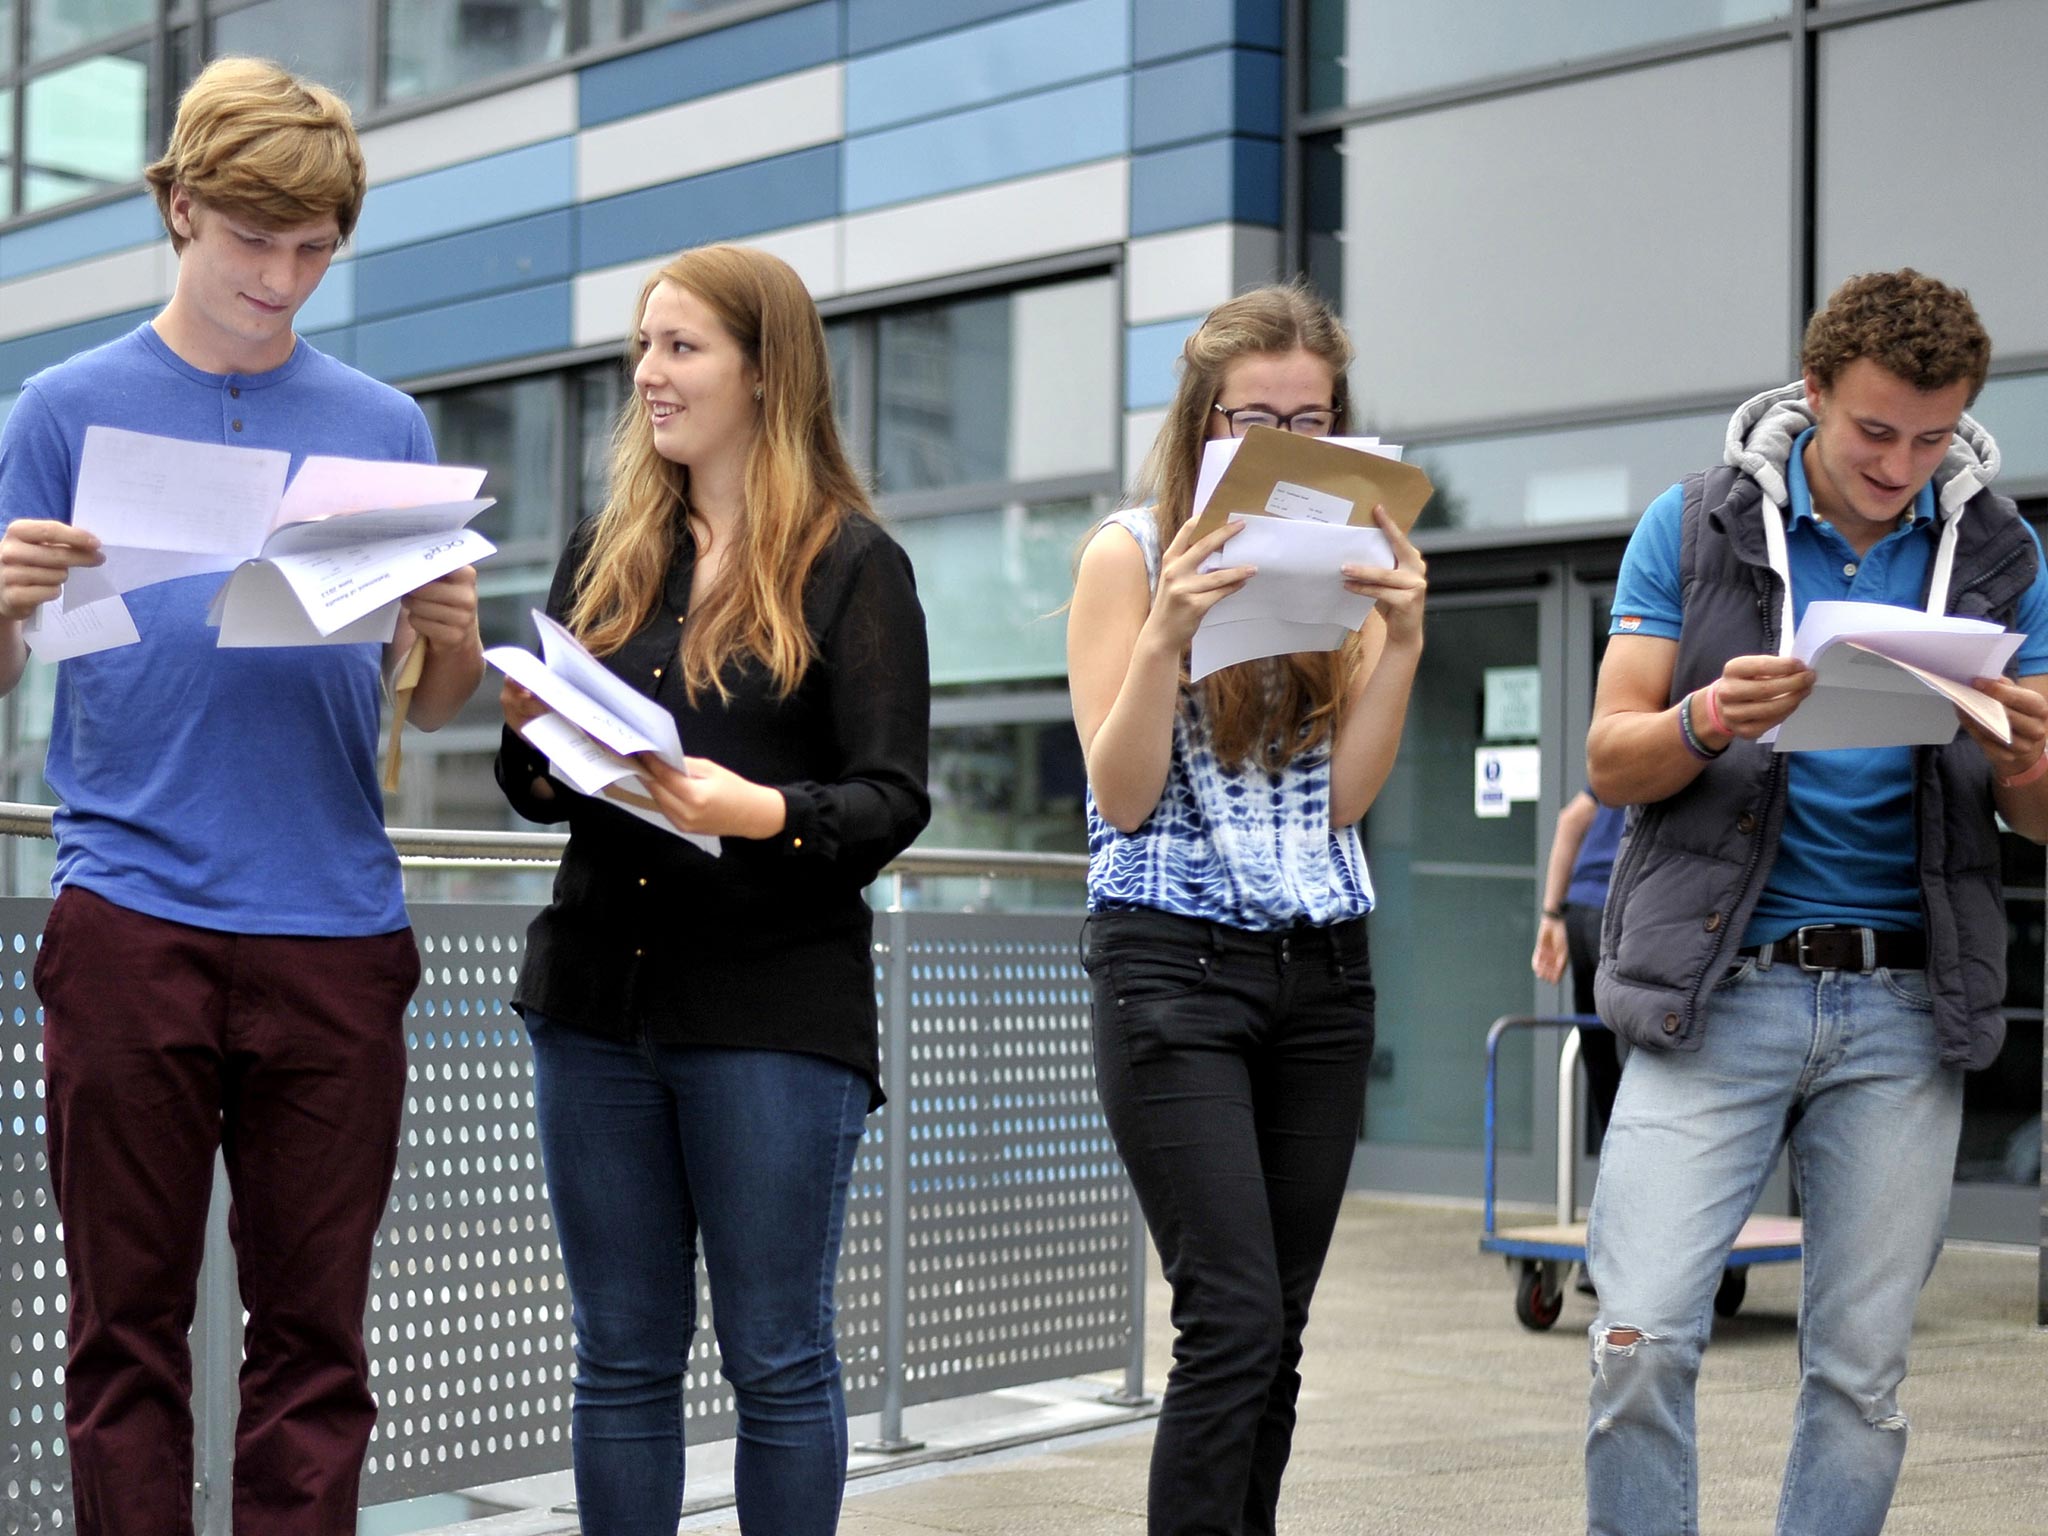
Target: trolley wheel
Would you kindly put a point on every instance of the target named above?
(1734, 1286)
(1539, 1296)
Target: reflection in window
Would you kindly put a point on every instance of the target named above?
(1587, 475)
(87, 128)
(315, 38)
(439, 45)
(6, 153)
(510, 428)
(58, 26)
(1019, 386)
(1011, 784)
(613, 21)
(599, 391)
(1364, 51)
(993, 582)
(6, 59)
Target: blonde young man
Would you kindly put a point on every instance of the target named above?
(228, 960)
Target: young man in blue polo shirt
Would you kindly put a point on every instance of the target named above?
(227, 963)
(1809, 947)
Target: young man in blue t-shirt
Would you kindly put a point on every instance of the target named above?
(228, 962)
(1809, 947)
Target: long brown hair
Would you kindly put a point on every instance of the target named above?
(1271, 711)
(799, 487)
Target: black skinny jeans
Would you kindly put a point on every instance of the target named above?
(1232, 1071)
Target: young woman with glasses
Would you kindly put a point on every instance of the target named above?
(704, 1027)
(1227, 893)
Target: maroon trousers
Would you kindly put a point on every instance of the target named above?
(161, 1043)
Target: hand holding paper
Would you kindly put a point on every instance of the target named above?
(1887, 676)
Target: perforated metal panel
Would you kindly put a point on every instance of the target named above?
(1018, 1219)
(35, 1476)
(1020, 1215)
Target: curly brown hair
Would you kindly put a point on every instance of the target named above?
(1906, 322)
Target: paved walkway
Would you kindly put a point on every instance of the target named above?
(1428, 1409)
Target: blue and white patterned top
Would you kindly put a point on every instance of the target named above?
(1240, 846)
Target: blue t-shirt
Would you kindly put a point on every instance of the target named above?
(230, 789)
(1848, 852)
(1594, 866)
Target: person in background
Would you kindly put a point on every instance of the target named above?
(1568, 929)
(228, 961)
(1227, 891)
(704, 1027)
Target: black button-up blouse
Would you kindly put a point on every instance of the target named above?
(771, 944)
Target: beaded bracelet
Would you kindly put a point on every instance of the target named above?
(1693, 744)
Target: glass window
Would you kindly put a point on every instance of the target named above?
(993, 584)
(1016, 386)
(58, 26)
(433, 46)
(6, 159)
(1519, 257)
(2015, 411)
(599, 391)
(1591, 474)
(613, 21)
(1010, 784)
(315, 38)
(1865, 157)
(511, 428)
(1364, 51)
(87, 128)
(7, 14)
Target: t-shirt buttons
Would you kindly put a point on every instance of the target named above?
(1849, 569)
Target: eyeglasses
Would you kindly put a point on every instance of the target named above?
(1317, 423)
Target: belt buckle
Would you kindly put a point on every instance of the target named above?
(1799, 941)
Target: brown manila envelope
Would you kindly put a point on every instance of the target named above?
(1271, 466)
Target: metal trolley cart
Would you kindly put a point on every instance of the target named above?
(1543, 1256)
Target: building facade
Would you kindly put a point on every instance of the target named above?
(1568, 236)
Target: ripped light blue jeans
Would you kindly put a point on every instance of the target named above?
(1844, 1068)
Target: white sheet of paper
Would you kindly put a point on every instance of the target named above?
(1217, 646)
(57, 634)
(128, 568)
(594, 769)
(1307, 504)
(258, 608)
(326, 485)
(1219, 451)
(1296, 602)
(140, 491)
(568, 657)
(1861, 700)
(337, 585)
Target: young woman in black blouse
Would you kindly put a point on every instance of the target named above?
(704, 1027)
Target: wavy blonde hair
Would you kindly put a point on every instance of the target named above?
(799, 487)
(1272, 711)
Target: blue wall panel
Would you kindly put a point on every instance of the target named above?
(1070, 126)
(515, 255)
(1150, 351)
(1213, 182)
(1229, 90)
(337, 343)
(468, 196)
(333, 302)
(721, 205)
(1166, 28)
(778, 44)
(978, 65)
(533, 320)
(95, 232)
(879, 23)
(27, 355)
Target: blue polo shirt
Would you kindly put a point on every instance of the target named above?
(1847, 853)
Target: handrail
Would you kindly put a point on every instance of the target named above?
(20, 819)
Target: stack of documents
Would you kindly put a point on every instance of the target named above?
(1307, 506)
(1893, 677)
(599, 720)
(322, 563)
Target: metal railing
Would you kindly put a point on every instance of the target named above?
(991, 1239)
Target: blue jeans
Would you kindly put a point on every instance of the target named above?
(1843, 1068)
(644, 1145)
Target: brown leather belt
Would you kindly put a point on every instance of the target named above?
(1848, 949)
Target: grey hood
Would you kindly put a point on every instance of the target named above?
(1763, 428)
